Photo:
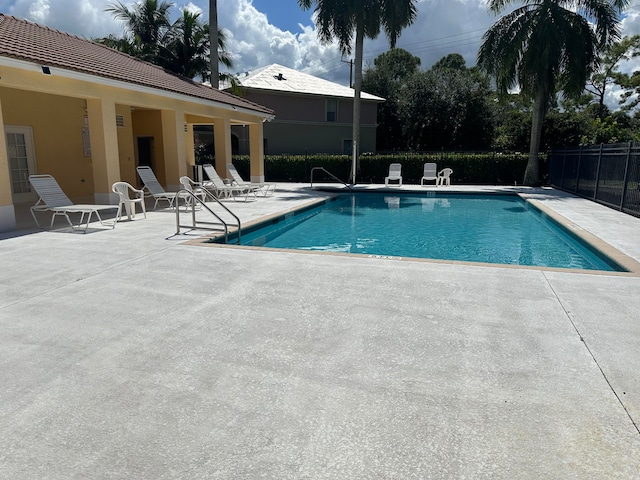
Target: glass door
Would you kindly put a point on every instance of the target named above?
(22, 162)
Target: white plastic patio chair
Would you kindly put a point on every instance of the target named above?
(217, 186)
(444, 177)
(128, 198)
(154, 188)
(430, 173)
(395, 170)
(264, 188)
(195, 188)
(53, 199)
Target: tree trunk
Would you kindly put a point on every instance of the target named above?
(532, 172)
(356, 101)
(213, 43)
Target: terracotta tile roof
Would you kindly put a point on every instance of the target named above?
(23, 40)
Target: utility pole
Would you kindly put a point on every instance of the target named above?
(213, 43)
(350, 62)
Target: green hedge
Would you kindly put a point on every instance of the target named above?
(468, 168)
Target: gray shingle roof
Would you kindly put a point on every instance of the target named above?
(30, 42)
(278, 78)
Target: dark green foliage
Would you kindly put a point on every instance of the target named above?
(388, 80)
(468, 168)
(546, 46)
(181, 47)
(447, 108)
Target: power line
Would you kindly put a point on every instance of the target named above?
(372, 54)
(333, 65)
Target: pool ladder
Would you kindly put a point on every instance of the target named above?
(330, 174)
(192, 199)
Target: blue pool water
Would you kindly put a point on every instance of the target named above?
(500, 229)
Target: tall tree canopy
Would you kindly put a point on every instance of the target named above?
(545, 46)
(185, 49)
(447, 108)
(340, 19)
(182, 47)
(608, 72)
(388, 79)
(145, 25)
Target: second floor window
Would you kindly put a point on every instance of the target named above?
(332, 110)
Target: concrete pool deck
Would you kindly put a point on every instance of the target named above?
(132, 353)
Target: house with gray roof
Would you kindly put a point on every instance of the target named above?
(88, 115)
(312, 115)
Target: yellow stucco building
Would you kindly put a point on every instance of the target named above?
(88, 115)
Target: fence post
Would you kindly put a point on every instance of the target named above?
(578, 170)
(595, 189)
(626, 176)
(493, 168)
(564, 161)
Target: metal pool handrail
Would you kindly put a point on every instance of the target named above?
(208, 195)
(330, 174)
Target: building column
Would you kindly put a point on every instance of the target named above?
(190, 151)
(105, 159)
(175, 149)
(7, 211)
(222, 141)
(256, 152)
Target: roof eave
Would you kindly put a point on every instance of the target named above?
(99, 80)
(290, 92)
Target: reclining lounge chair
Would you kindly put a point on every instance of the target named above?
(154, 188)
(217, 186)
(430, 173)
(264, 188)
(395, 170)
(53, 199)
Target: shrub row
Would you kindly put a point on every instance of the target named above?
(468, 168)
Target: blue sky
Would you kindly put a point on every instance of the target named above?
(285, 14)
(262, 32)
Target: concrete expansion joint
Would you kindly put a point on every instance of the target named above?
(591, 354)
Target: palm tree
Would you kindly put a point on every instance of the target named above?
(186, 47)
(124, 44)
(547, 46)
(185, 50)
(340, 19)
(182, 47)
(146, 24)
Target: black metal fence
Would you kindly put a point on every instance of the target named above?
(607, 174)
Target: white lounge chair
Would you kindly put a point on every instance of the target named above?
(392, 202)
(264, 188)
(395, 170)
(444, 177)
(124, 191)
(53, 199)
(430, 173)
(217, 186)
(154, 188)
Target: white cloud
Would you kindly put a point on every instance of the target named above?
(441, 27)
(78, 17)
(255, 43)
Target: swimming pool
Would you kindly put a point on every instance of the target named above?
(501, 229)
